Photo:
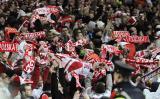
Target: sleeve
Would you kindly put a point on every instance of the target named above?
(109, 82)
(88, 85)
(62, 77)
(54, 86)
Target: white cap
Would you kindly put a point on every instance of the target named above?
(158, 33)
(157, 26)
(54, 32)
(100, 24)
(122, 44)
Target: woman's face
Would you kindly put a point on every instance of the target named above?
(79, 36)
(55, 39)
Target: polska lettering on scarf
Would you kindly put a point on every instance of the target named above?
(47, 10)
(120, 34)
(8, 47)
(137, 39)
(29, 36)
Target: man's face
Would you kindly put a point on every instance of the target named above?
(2, 20)
(117, 78)
(79, 36)
(65, 31)
(28, 90)
(133, 31)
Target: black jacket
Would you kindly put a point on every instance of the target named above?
(132, 91)
(56, 94)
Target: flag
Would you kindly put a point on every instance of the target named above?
(28, 64)
(69, 63)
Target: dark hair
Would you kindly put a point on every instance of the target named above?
(64, 27)
(100, 87)
(22, 87)
(97, 43)
(104, 97)
(78, 49)
(75, 33)
(38, 25)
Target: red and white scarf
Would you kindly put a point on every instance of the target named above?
(98, 74)
(48, 10)
(65, 19)
(109, 48)
(120, 34)
(31, 36)
(70, 45)
(155, 52)
(8, 47)
(29, 59)
(136, 39)
(35, 17)
(139, 60)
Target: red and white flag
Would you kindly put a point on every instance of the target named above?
(69, 63)
(76, 76)
(28, 65)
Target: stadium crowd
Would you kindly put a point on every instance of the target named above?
(79, 49)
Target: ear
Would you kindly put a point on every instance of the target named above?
(120, 77)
